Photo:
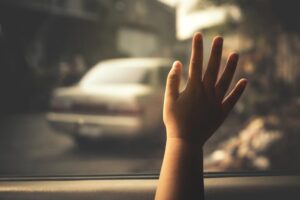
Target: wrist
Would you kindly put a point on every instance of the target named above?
(193, 139)
(186, 145)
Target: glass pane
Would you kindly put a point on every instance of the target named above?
(106, 75)
(82, 83)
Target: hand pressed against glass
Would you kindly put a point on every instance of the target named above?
(195, 113)
(191, 117)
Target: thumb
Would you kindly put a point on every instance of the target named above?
(173, 82)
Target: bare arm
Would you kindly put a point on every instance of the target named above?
(191, 117)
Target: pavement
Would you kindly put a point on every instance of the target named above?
(29, 147)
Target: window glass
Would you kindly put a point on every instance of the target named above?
(163, 73)
(116, 75)
(79, 81)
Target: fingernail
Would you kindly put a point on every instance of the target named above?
(219, 40)
(235, 56)
(245, 81)
(176, 65)
(197, 36)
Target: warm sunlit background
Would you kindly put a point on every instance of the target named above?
(82, 83)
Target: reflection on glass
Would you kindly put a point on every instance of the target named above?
(82, 83)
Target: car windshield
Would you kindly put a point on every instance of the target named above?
(103, 75)
(50, 125)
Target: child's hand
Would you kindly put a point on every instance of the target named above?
(194, 114)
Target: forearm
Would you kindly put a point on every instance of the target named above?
(181, 174)
(195, 112)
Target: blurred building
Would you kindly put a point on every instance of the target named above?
(107, 28)
(38, 36)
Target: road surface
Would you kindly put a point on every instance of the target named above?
(29, 147)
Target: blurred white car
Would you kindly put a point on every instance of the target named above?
(119, 97)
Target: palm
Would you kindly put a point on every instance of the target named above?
(200, 109)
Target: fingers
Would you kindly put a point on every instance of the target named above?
(226, 78)
(212, 70)
(234, 96)
(195, 69)
(173, 82)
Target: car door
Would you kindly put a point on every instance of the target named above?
(217, 187)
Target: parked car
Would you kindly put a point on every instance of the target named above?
(118, 97)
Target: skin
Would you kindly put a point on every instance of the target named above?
(192, 116)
